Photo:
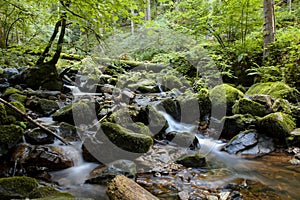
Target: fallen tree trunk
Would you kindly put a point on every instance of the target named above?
(34, 122)
(123, 188)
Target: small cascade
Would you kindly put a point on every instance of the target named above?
(177, 126)
(74, 89)
(159, 87)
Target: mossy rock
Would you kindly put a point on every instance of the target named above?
(3, 114)
(12, 112)
(11, 90)
(277, 125)
(247, 106)
(275, 90)
(44, 75)
(204, 102)
(127, 139)
(18, 97)
(195, 161)
(16, 187)
(10, 135)
(48, 192)
(171, 107)
(224, 96)
(46, 106)
(233, 125)
(80, 113)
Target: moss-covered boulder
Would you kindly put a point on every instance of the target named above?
(224, 96)
(10, 135)
(247, 106)
(277, 125)
(17, 187)
(39, 137)
(44, 75)
(195, 160)
(235, 124)
(48, 192)
(18, 97)
(47, 106)
(12, 112)
(11, 90)
(171, 107)
(275, 90)
(80, 112)
(127, 139)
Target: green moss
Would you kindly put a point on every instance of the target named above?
(11, 90)
(10, 135)
(18, 97)
(204, 102)
(278, 125)
(223, 96)
(274, 89)
(46, 106)
(3, 114)
(12, 112)
(16, 187)
(247, 106)
(48, 192)
(126, 139)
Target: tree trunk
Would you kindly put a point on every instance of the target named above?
(148, 11)
(269, 25)
(122, 188)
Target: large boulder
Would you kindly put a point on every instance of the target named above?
(247, 106)
(275, 90)
(126, 139)
(235, 124)
(277, 125)
(17, 187)
(224, 97)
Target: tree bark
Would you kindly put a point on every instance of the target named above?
(122, 188)
(269, 25)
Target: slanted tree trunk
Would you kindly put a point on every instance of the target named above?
(44, 74)
(269, 25)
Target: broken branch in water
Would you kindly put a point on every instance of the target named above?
(34, 122)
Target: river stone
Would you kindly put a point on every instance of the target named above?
(171, 107)
(223, 97)
(46, 106)
(204, 102)
(277, 125)
(247, 106)
(195, 161)
(104, 174)
(38, 137)
(236, 123)
(83, 112)
(275, 90)
(11, 90)
(242, 141)
(51, 158)
(16, 187)
(189, 108)
(127, 139)
(10, 135)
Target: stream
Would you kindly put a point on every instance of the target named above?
(266, 177)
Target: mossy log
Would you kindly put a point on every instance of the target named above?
(123, 188)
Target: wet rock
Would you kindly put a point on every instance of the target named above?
(275, 90)
(204, 102)
(247, 106)
(11, 90)
(16, 187)
(236, 123)
(50, 158)
(192, 161)
(10, 135)
(264, 145)
(242, 141)
(87, 156)
(127, 139)
(12, 112)
(144, 86)
(18, 97)
(46, 106)
(38, 137)
(224, 97)
(80, 112)
(171, 107)
(68, 131)
(277, 125)
(104, 174)
(48, 192)
(181, 139)
(189, 108)
(8, 72)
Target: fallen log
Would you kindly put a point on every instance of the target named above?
(123, 188)
(34, 122)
